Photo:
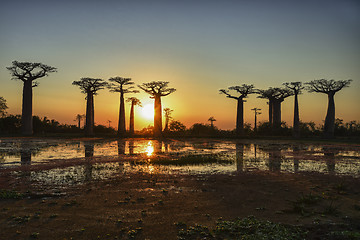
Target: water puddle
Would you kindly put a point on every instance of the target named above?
(199, 156)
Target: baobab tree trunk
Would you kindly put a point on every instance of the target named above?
(166, 129)
(240, 116)
(132, 130)
(157, 117)
(26, 117)
(79, 120)
(329, 125)
(89, 127)
(121, 125)
(270, 111)
(296, 125)
(276, 113)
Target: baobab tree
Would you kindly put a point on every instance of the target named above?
(329, 87)
(78, 118)
(157, 89)
(275, 96)
(268, 94)
(122, 86)
(3, 107)
(90, 87)
(167, 113)
(244, 90)
(296, 88)
(134, 102)
(28, 72)
(211, 120)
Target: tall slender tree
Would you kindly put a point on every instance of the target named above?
(167, 113)
(78, 118)
(256, 112)
(296, 88)
(244, 90)
(28, 72)
(122, 86)
(90, 87)
(134, 102)
(328, 87)
(157, 89)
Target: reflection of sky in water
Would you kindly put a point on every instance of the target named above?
(244, 155)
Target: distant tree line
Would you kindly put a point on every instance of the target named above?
(276, 96)
(29, 73)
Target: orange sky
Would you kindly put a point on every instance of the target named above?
(199, 48)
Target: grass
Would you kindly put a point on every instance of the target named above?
(248, 228)
(7, 194)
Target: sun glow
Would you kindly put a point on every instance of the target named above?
(148, 111)
(149, 149)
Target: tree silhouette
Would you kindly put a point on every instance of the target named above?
(3, 107)
(157, 89)
(329, 87)
(78, 118)
(275, 96)
(134, 102)
(167, 112)
(268, 94)
(122, 86)
(90, 86)
(256, 112)
(243, 90)
(212, 120)
(28, 72)
(296, 88)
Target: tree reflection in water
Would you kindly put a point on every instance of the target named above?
(89, 153)
(239, 157)
(121, 147)
(329, 154)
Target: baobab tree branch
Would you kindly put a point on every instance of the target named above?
(223, 91)
(327, 86)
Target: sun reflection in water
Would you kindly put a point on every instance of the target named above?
(149, 149)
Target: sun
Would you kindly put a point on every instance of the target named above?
(148, 111)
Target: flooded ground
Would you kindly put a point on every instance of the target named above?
(147, 189)
(102, 159)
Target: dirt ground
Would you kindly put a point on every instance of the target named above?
(148, 206)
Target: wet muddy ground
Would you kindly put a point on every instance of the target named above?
(147, 196)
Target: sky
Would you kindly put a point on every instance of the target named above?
(199, 47)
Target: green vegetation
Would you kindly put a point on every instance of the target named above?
(7, 194)
(247, 228)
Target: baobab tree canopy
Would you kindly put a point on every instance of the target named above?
(118, 85)
(296, 87)
(90, 85)
(327, 86)
(28, 71)
(157, 88)
(243, 90)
